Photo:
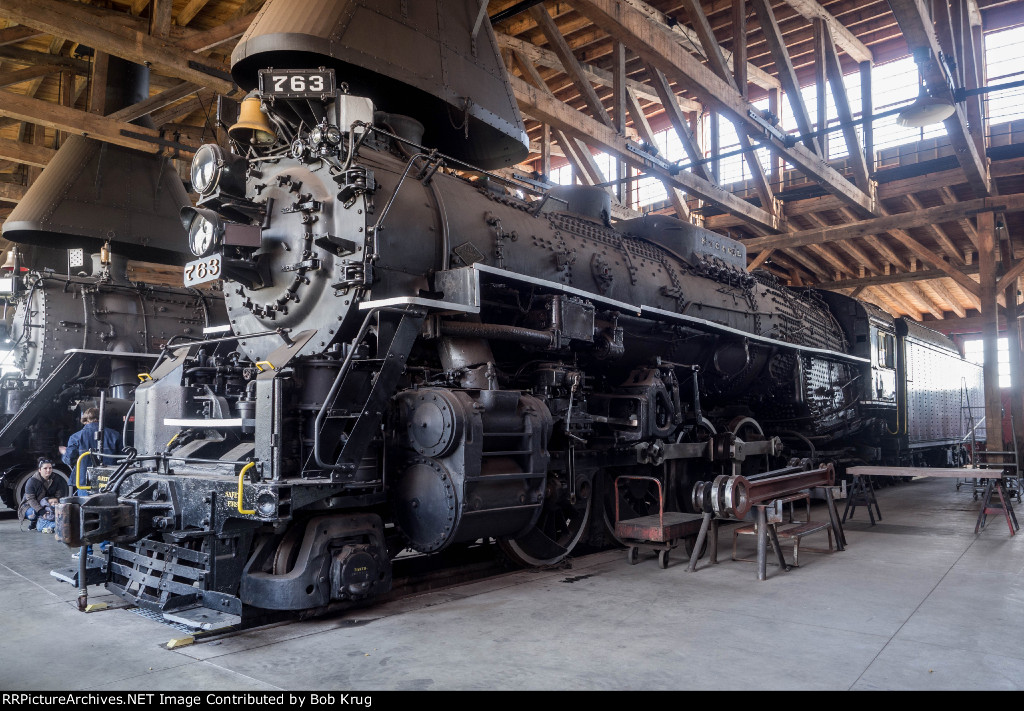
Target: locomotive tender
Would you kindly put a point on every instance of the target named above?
(439, 359)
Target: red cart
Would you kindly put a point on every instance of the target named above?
(661, 532)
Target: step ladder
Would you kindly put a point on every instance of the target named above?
(1004, 485)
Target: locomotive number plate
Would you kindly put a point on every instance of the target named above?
(297, 83)
(203, 270)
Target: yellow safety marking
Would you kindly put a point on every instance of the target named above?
(171, 441)
(260, 364)
(241, 480)
(78, 472)
(96, 607)
(143, 377)
(180, 642)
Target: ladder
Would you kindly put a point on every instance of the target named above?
(363, 388)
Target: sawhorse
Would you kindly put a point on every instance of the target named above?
(862, 492)
(997, 486)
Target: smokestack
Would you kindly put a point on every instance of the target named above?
(434, 60)
(94, 192)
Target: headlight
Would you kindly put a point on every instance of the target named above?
(333, 135)
(316, 135)
(204, 229)
(206, 167)
(213, 169)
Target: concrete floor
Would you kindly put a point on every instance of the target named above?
(916, 602)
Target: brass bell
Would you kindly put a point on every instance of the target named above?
(253, 126)
(12, 263)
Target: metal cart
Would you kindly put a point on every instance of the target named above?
(661, 532)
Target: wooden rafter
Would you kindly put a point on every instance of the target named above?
(916, 23)
(834, 72)
(845, 39)
(545, 108)
(656, 45)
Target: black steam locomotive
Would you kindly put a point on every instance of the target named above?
(439, 359)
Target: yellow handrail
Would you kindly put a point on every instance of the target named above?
(241, 480)
(171, 441)
(261, 363)
(78, 472)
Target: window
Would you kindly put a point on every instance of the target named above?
(975, 353)
(886, 350)
(1002, 60)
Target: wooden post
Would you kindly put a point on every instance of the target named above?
(1013, 336)
(866, 110)
(990, 330)
(716, 147)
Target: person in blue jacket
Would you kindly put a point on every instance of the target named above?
(85, 441)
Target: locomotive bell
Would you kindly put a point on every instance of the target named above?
(253, 126)
(436, 61)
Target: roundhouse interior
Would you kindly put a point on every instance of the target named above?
(867, 153)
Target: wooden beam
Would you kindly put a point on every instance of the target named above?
(880, 225)
(191, 9)
(216, 36)
(547, 109)
(916, 292)
(68, 21)
(569, 62)
(44, 113)
(932, 275)
(678, 122)
(675, 195)
(21, 75)
(834, 70)
(17, 33)
(688, 38)
(846, 40)
(916, 24)
(12, 192)
(155, 102)
(26, 153)
(547, 58)
(787, 75)
(656, 45)
(203, 99)
(160, 18)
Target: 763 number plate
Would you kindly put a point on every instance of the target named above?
(200, 271)
(297, 83)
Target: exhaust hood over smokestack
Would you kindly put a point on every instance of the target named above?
(93, 192)
(434, 60)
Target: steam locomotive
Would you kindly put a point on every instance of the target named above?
(69, 338)
(438, 358)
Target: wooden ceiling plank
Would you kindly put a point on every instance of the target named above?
(202, 101)
(930, 257)
(17, 33)
(946, 295)
(938, 234)
(68, 21)
(655, 44)
(922, 297)
(569, 62)
(947, 196)
(545, 108)
(904, 304)
(215, 36)
(12, 192)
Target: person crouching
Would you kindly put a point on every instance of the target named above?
(42, 491)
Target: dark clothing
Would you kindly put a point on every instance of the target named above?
(37, 491)
(84, 441)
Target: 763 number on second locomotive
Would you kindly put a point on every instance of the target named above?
(200, 271)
